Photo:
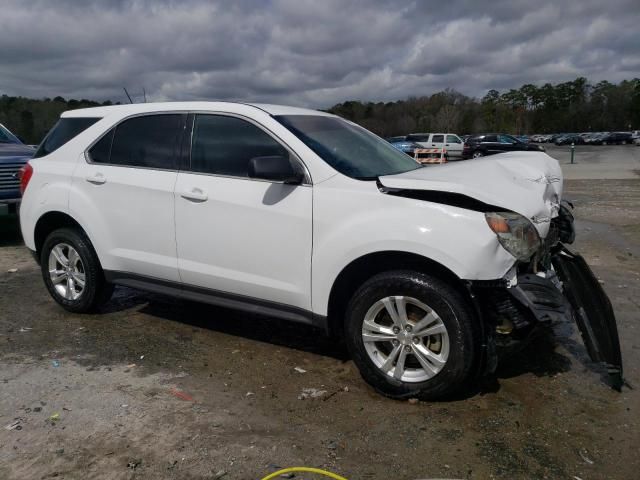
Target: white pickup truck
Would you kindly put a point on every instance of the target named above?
(451, 142)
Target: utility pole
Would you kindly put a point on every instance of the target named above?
(127, 93)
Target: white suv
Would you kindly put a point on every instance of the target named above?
(421, 271)
(452, 143)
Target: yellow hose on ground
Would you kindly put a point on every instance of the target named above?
(304, 469)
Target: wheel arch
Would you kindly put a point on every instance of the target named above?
(366, 266)
(50, 221)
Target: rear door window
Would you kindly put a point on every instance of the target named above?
(62, 132)
(507, 139)
(490, 139)
(151, 141)
(224, 145)
(437, 139)
(453, 139)
(418, 138)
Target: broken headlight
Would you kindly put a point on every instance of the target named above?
(515, 233)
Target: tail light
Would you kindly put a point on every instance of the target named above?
(24, 174)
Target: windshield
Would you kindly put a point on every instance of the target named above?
(7, 137)
(351, 150)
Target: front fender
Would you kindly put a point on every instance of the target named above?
(456, 238)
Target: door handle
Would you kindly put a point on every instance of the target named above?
(195, 195)
(97, 179)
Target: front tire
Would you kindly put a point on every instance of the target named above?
(412, 335)
(72, 272)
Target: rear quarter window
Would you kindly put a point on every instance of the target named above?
(62, 132)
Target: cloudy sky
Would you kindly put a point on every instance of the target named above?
(309, 52)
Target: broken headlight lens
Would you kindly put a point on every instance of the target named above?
(515, 233)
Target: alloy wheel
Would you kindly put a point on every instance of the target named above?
(406, 339)
(66, 271)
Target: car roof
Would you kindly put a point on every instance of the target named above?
(137, 108)
(436, 133)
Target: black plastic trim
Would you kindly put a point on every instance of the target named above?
(216, 297)
(540, 295)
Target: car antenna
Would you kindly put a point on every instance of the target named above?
(127, 93)
(144, 94)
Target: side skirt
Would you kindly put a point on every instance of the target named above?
(218, 298)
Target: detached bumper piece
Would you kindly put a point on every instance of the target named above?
(568, 291)
(592, 311)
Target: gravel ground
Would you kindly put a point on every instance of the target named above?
(157, 388)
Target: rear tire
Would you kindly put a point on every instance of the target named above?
(72, 272)
(477, 154)
(435, 357)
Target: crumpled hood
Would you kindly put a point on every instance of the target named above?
(528, 183)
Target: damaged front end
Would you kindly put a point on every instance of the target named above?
(555, 284)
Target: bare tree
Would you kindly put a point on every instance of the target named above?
(447, 119)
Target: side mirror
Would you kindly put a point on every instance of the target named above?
(274, 168)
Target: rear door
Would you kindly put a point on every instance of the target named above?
(509, 143)
(238, 238)
(454, 145)
(436, 141)
(490, 144)
(123, 195)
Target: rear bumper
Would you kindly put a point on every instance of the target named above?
(574, 294)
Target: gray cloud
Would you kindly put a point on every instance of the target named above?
(309, 52)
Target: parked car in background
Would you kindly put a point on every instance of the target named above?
(540, 138)
(404, 145)
(449, 141)
(617, 138)
(13, 156)
(416, 270)
(636, 141)
(555, 136)
(595, 138)
(569, 139)
(492, 143)
(523, 138)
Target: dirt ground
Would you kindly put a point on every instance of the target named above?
(156, 388)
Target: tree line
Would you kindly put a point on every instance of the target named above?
(30, 119)
(575, 106)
